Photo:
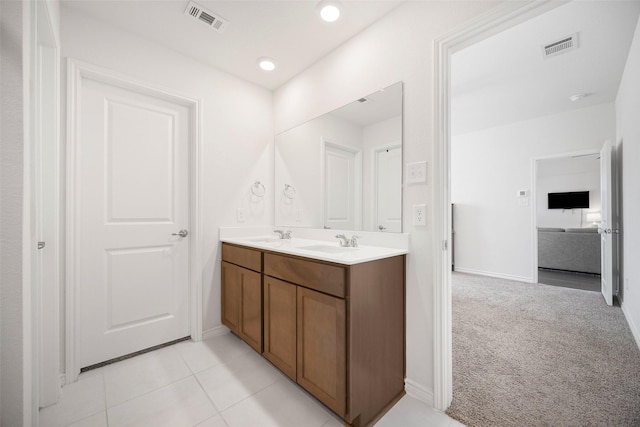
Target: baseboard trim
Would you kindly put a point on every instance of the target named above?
(632, 325)
(492, 274)
(215, 332)
(419, 392)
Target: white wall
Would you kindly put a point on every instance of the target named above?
(236, 129)
(567, 174)
(493, 234)
(399, 47)
(628, 147)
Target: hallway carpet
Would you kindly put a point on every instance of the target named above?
(536, 355)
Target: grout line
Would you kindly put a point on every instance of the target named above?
(150, 391)
(250, 396)
(224, 420)
(206, 394)
(106, 409)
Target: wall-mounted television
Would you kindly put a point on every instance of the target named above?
(569, 200)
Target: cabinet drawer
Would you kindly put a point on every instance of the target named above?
(325, 278)
(244, 257)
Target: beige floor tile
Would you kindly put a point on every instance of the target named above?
(142, 374)
(78, 400)
(182, 403)
(229, 383)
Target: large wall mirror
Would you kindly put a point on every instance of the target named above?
(343, 170)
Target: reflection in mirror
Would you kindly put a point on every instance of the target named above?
(345, 166)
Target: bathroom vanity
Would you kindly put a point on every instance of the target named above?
(330, 318)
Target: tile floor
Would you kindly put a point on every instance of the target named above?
(219, 382)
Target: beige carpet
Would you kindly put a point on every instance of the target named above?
(537, 355)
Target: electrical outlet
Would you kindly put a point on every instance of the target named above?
(240, 217)
(298, 215)
(416, 172)
(419, 214)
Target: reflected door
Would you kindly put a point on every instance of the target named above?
(389, 189)
(134, 195)
(341, 175)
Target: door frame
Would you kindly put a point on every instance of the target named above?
(535, 201)
(45, 65)
(503, 16)
(76, 72)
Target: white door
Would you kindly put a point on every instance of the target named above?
(133, 183)
(340, 176)
(607, 230)
(389, 189)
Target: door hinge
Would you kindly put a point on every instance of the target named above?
(445, 244)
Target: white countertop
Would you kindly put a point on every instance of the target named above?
(316, 249)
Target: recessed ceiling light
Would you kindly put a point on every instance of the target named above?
(329, 10)
(267, 64)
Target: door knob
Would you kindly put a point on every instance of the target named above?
(181, 233)
(382, 227)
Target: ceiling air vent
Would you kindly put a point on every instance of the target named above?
(560, 46)
(212, 20)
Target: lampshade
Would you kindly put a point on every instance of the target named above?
(593, 217)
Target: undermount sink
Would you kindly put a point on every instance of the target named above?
(265, 239)
(327, 248)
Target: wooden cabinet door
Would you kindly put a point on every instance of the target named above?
(242, 303)
(280, 325)
(322, 347)
(231, 296)
(251, 308)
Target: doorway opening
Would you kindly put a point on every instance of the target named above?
(567, 207)
(503, 17)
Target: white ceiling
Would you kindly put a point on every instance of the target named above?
(288, 31)
(504, 79)
(500, 80)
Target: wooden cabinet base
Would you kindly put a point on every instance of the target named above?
(337, 330)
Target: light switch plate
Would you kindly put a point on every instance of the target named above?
(416, 172)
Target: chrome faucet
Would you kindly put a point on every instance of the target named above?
(343, 240)
(283, 234)
(348, 243)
